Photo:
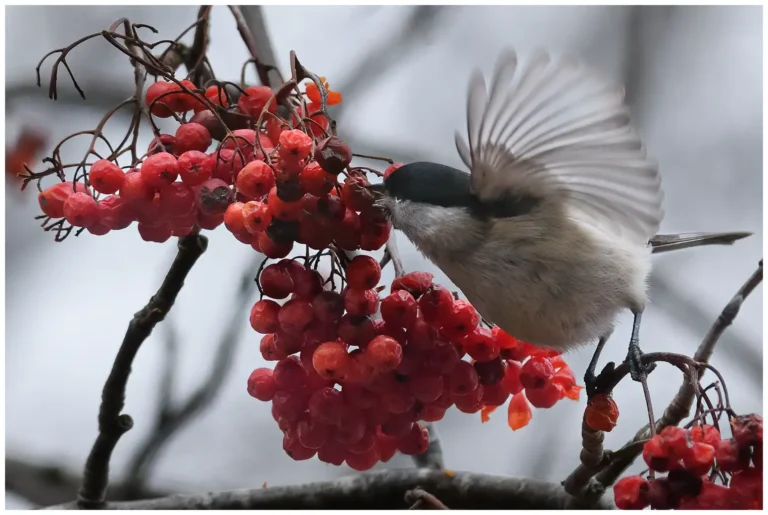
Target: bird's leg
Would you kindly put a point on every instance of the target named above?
(590, 379)
(634, 355)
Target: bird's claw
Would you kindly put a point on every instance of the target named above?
(637, 369)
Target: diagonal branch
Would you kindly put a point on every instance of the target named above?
(113, 424)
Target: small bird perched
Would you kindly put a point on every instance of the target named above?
(550, 234)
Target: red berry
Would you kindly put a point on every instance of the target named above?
(264, 316)
(295, 315)
(225, 164)
(705, 434)
(747, 430)
(210, 221)
(261, 384)
(415, 442)
(276, 282)
(182, 101)
(245, 141)
(392, 168)
(471, 402)
(192, 136)
(601, 413)
(366, 443)
(490, 372)
(154, 233)
(282, 209)
(420, 334)
(288, 343)
(307, 284)
(234, 220)
(747, 486)
(356, 330)
(177, 200)
(436, 304)
(195, 167)
(269, 350)
(159, 106)
(398, 401)
(332, 452)
(384, 353)
(163, 143)
(359, 397)
(351, 427)
(432, 412)
(397, 426)
(216, 95)
(315, 180)
(463, 320)
(105, 176)
(361, 302)
(536, 373)
(160, 170)
(81, 210)
(544, 397)
(289, 375)
(331, 360)
(700, 458)
(355, 193)
(215, 127)
(290, 405)
(255, 180)
(631, 493)
(443, 358)
(256, 216)
(333, 155)
(463, 379)
(415, 283)
(295, 450)
(481, 345)
(294, 145)
(116, 213)
(254, 99)
(52, 199)
(270, 248)
(677, 439)
(328, 307)
(426, 386)
(311, 433)
(399, 309)
(494, 394)
(326, 406)
(730, 457)
(363, 273)
(512, 377)
(347, 232)
(661, 495)
(656, 454)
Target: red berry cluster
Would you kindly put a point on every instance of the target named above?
(694, 460)
(391, 372)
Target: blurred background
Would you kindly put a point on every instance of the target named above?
(694, 82)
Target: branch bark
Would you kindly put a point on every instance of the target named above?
(113, 424)
(378, 490)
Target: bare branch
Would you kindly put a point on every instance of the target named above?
(259, 55)
(113, 424)
(377, 490)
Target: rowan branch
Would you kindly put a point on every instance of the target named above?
(377, 490)
(113, 424)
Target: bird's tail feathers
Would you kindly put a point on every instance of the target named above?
(667, 242)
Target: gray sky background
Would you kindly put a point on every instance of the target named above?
(695, 86)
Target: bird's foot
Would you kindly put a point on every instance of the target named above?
(637, 369)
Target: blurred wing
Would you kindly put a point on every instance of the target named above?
(557, 129)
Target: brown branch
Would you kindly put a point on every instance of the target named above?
(253, 16)
(171, 418)
(377, 490)
(113, 424)
(262, 68)
(420, 499)
(681, 404)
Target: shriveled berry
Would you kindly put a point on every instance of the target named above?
(705, 433)
(195, 167)
(363, 272)
(747, 430)
(192, 136)
(544, 397)
(116, 213)
(256, 216)
(361, 302)
(261, 384)
(160, 170)
(213, 197)
(415, 283)
(215, 127)
(601, 413)
(52, 199)
(294, 145)
(490, 372)
(81, 210)
(356, 194)
(162, 143)
(105, 176)
(730, 457)
(700, 458)
(333, 155)
(536, 373)
(661, 496)
(331, 360)
(631, 493)
(255, 179)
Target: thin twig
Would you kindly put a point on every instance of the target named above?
(262, 68)
(113, 424)
(420, 499)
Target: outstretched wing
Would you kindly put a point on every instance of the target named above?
(555, 128)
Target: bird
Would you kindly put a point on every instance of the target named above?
(549, 235)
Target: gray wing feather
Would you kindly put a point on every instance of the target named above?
(667, 242)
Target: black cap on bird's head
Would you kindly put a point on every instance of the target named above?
(427, 183)
(439, 185)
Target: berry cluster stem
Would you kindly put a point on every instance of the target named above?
(113, 424)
